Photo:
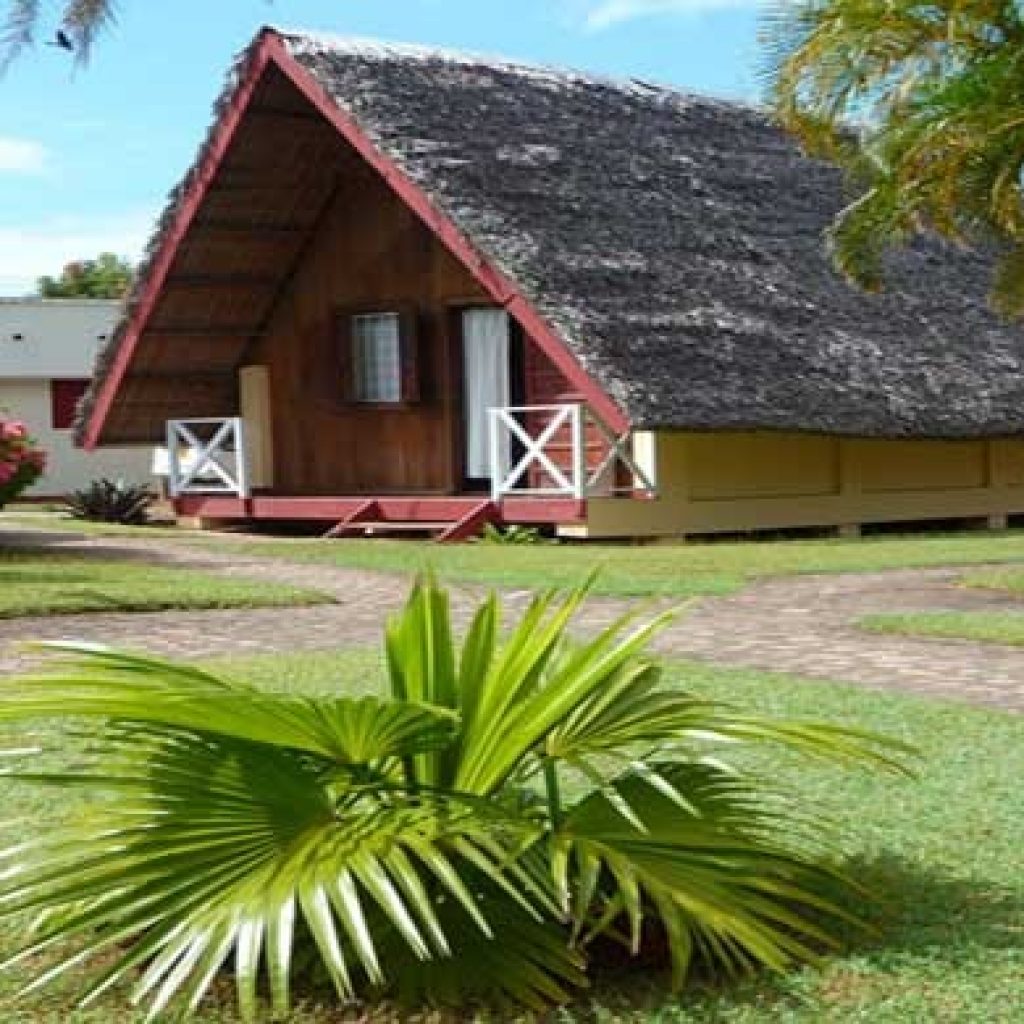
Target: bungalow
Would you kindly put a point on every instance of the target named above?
(407, 287)
(47, 349)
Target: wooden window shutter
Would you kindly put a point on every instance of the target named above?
(409, 347)
(344, 365)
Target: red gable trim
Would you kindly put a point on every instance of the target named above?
(498, 286)
(223, 135)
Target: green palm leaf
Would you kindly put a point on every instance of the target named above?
(217, 847)
(106, 684)
(921, 104)
(709, 874)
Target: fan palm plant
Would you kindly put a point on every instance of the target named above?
(922, 103)
(469, 834)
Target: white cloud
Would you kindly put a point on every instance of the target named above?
(21, 156)
(28, 251)
(602, 14)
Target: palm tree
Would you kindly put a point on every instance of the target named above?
(466, 835)
(81, 22)
(923, 104)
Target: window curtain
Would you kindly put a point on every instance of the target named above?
(485, 347)
(377, 357)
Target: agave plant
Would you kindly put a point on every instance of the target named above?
(111, 501)
(468, 835)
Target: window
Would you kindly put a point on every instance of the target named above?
(378, 356)
(64, 398)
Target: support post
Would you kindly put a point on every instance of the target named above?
(578, 424)
(241, 459)
(494, 441)
(173, 478)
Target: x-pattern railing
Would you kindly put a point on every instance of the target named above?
(215, 464)
(578, 480)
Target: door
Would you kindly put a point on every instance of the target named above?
(491, 378)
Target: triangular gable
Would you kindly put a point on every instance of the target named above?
(269, 50)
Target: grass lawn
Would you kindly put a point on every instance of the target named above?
(992, 627)
(1010, 580)
(945, 854)
(709, 567)
(675, 570)
(35, 583)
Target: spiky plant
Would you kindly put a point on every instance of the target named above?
(922, 103)
(111, 501)
(467, 835)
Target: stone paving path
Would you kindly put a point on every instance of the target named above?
(804, 625)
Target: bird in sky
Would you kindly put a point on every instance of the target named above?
(62, 40)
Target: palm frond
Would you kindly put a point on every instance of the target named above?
(218, 847)
(919, 103)
(463, 838)
(85, 20)
(18, 30)
(712, 876)
(105, 684)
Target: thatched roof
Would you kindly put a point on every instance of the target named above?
(676, 245)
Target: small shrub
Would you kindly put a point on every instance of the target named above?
(511, 535)
(472, 833)
(21, 462)
(111, 501)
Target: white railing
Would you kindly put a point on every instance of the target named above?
(207, 456)
(521, 459)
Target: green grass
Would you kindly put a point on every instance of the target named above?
(676, 570)
(37, 583)
(945, 854)
(989, 627)
(679, 570)
(1009, 580)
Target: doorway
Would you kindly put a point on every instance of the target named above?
(493, 376)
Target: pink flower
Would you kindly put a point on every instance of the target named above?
(14, 430)
(7, 471)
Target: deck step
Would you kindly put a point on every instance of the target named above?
(373, 518)
(368, 528)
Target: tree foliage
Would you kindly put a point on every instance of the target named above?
(467, 835)
(105, 277)
(79, 24)
(923, 104)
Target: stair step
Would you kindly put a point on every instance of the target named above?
(396, 526)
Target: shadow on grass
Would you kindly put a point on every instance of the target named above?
(918, 920)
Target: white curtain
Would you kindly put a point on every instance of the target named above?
(485, 343)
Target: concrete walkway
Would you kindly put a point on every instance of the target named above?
(803, 625)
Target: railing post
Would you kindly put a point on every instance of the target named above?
(578, 423)
(241, 458)
(173, 477)
(494, 442)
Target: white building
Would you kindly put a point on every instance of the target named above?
(47, 348)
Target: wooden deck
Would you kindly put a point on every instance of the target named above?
(449, 518)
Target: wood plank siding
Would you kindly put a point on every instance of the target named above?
(368, 252)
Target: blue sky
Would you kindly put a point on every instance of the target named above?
(87, 156)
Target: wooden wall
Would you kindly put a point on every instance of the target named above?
(368, 251)
(714, 483)
(547, 385)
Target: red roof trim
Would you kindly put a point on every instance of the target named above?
(223, 135)
(498, 286)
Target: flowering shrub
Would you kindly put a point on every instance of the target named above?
(21, 462)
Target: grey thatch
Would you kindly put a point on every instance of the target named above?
(677, 245)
